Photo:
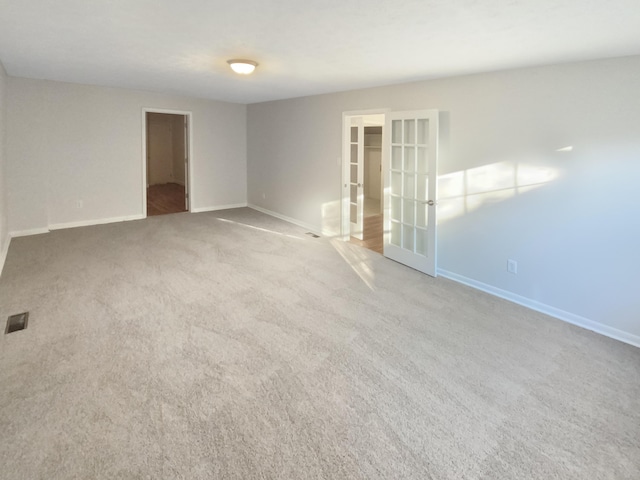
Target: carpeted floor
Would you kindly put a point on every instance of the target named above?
(230, 345)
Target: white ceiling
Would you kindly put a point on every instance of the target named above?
(304, 47)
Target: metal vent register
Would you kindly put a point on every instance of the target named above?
(17, 322)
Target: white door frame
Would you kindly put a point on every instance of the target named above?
(189, 143)
(345, 222)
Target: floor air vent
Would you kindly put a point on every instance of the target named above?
(17, 322)
(312, 235)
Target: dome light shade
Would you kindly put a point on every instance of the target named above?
(243, 67)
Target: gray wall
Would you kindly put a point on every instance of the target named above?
(571, 220)
(4, 227)
(68, 142)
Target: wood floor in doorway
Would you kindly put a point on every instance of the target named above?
(165, 198)
(372, 233)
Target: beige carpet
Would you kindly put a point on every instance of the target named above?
(230, 345)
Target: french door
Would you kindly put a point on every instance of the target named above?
(356, 176)
(410, 188)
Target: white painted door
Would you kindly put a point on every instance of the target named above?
(410, 164)
(356, 176)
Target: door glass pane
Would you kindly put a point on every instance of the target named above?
(354, 213)
(408, 212)
(423, 131)
(409, 131)
(354, 153)
(421, 242)
(407, 237)
(396, 131)
(426, 207)
(395, 233)
(354, 134)
(354, 193)
(421, 214)
(421, 188)
(423, 158)
(396, 183)
(409, 159)
(396, 211)
(409, 186)
(354, 173)
(396, 158)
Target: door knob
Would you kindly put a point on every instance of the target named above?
(429, 202)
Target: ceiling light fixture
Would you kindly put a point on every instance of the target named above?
(243, 67)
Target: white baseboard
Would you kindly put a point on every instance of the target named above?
(100, 221)
(3, 253)
(565, 316)
(306, 226)
(26, 233)
(218, 207)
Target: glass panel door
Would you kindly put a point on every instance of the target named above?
(356, 176)
(410, 188)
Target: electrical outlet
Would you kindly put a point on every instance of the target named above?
(79, 204)
(512, 266)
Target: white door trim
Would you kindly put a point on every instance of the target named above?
(189, 142)
(345, 223)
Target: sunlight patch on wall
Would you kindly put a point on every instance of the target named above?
(467, 190)
(489, 178)
(331, 217)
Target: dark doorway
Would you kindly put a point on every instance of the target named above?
(167, 161)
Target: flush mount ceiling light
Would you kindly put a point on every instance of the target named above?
(243, 67)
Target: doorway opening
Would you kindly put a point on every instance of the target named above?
(366, 199)
(166, 170)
